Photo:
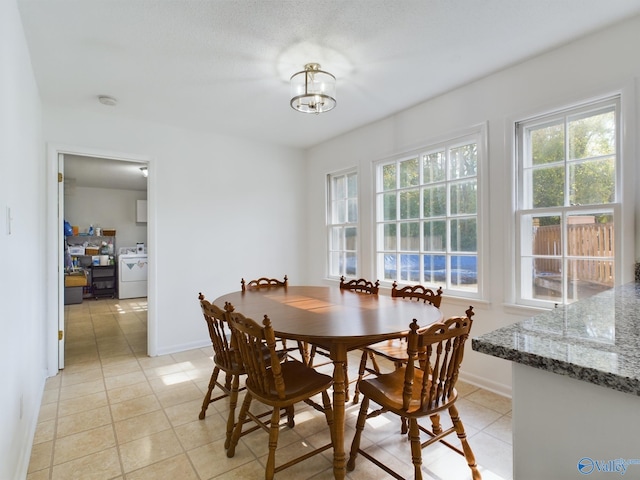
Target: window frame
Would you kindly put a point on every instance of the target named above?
(475, 134)
(522, 209)
(331, 223)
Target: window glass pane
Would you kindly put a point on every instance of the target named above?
(389, 206)
(435, 235)
(464, 198)
(463, 161)
(339, 211)
(410, 236)
(546, 235)
(548, 187)
(390, 239)
(464, 271)
(410, 204)
(352, 185)
(588, 277)
(544, 277)
(389, 177)
(592, 136)
(435, 269)
(592, 182)
(350, 267)
(336, 238)
(409, 173)
(410, 268)
(352, 210)
(434, 201)
(334, 264)
(339, 187)
(547, 144)
(433, 167)
(464, 235)
(351, 238)
(390, 267)
(590, 236)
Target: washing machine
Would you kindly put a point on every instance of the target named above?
(133, 268)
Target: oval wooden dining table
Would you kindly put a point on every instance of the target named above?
(340, 321)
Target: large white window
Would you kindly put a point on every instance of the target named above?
(342, 224)
(427, 211)
(568, 203)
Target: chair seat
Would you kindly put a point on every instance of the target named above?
(300, 382)
(394, 350)
(386, 390)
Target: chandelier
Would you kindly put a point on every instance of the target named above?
(313, 90)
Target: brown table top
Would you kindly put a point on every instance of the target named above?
(318, 314)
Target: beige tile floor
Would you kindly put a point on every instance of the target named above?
(115, 413)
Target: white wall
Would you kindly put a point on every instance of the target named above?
(221, 208)
(106, 208)
(22, 254)
(603, 63)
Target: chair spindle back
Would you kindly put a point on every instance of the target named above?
(220, 334)
(419, 292)
(360, 285)
(439, 349)
(264, 372)
(264, 282)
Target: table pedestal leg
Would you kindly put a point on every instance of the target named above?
(339, 458)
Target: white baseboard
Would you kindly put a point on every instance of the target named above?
(184, 347)
(482, 382)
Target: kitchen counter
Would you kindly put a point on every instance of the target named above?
(575, 387)
(596, 340)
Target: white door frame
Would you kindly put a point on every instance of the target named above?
(55, 261)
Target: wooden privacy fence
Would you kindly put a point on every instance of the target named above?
(595, 241)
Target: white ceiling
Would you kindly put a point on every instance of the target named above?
(94, 172)
(223, 65)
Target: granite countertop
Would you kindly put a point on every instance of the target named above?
(596, 340)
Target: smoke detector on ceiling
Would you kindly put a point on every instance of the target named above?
(107, 100)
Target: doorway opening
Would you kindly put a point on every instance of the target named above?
(100, 193)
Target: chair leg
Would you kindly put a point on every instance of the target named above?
(207, 397)
(328, 413)
(436, 428)
(355, 444)
(303, 348)
(237, 431)
(416, 449)
(274, 429)
(233, 400)
(290, 417)
(363, 365)
(404, 428)
(312, 355)
(468, 453)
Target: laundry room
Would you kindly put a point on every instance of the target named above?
(105, 228)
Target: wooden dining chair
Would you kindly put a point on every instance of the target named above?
(264, 282)
(278, 385)
(225, 359)
(267, 283)
(360, 285)
(424, 387)
(394, 350)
